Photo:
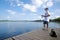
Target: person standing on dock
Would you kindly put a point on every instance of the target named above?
(46, 17)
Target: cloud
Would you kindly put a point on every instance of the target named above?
(33, 6)
(23, 16)
(11, 12)
(57, 16)
(49, 4)
(37, 3)
(18, 4)
(30, 7)
(57, 12)
(13, 15)
(44, 0)
(14, 3)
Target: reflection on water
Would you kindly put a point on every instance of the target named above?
(9, 29)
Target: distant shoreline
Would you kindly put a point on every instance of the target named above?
(53, 20)
(26, 21)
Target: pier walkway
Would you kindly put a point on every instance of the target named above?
(37, 35)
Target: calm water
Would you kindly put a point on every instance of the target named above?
(9, 29)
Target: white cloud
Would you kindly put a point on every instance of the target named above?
(33, 6)
(18, 4)
(37, 3)
(14, 3)
(30, 7)
(13, 15)
(54, 16)
(44, 0)
(57, 12)
(49, 4)
(57, 16)
(11, 12)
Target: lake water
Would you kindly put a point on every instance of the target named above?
(9, 29)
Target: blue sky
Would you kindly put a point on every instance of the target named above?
(28, 9)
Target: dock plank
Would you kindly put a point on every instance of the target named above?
(37, 35)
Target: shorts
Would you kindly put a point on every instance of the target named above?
(45, 22)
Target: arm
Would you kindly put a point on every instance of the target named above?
(45, 16)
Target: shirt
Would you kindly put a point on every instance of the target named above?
(46, 18)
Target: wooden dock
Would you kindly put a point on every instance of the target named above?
(37, 35)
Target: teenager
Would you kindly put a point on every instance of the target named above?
(46, 17)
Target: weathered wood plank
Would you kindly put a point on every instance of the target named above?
(37, 35)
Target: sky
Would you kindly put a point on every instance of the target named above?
(28, 9)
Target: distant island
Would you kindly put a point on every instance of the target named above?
(57, 19)
(52, 20)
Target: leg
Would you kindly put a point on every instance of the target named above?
(44, 25)
(47, 24)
